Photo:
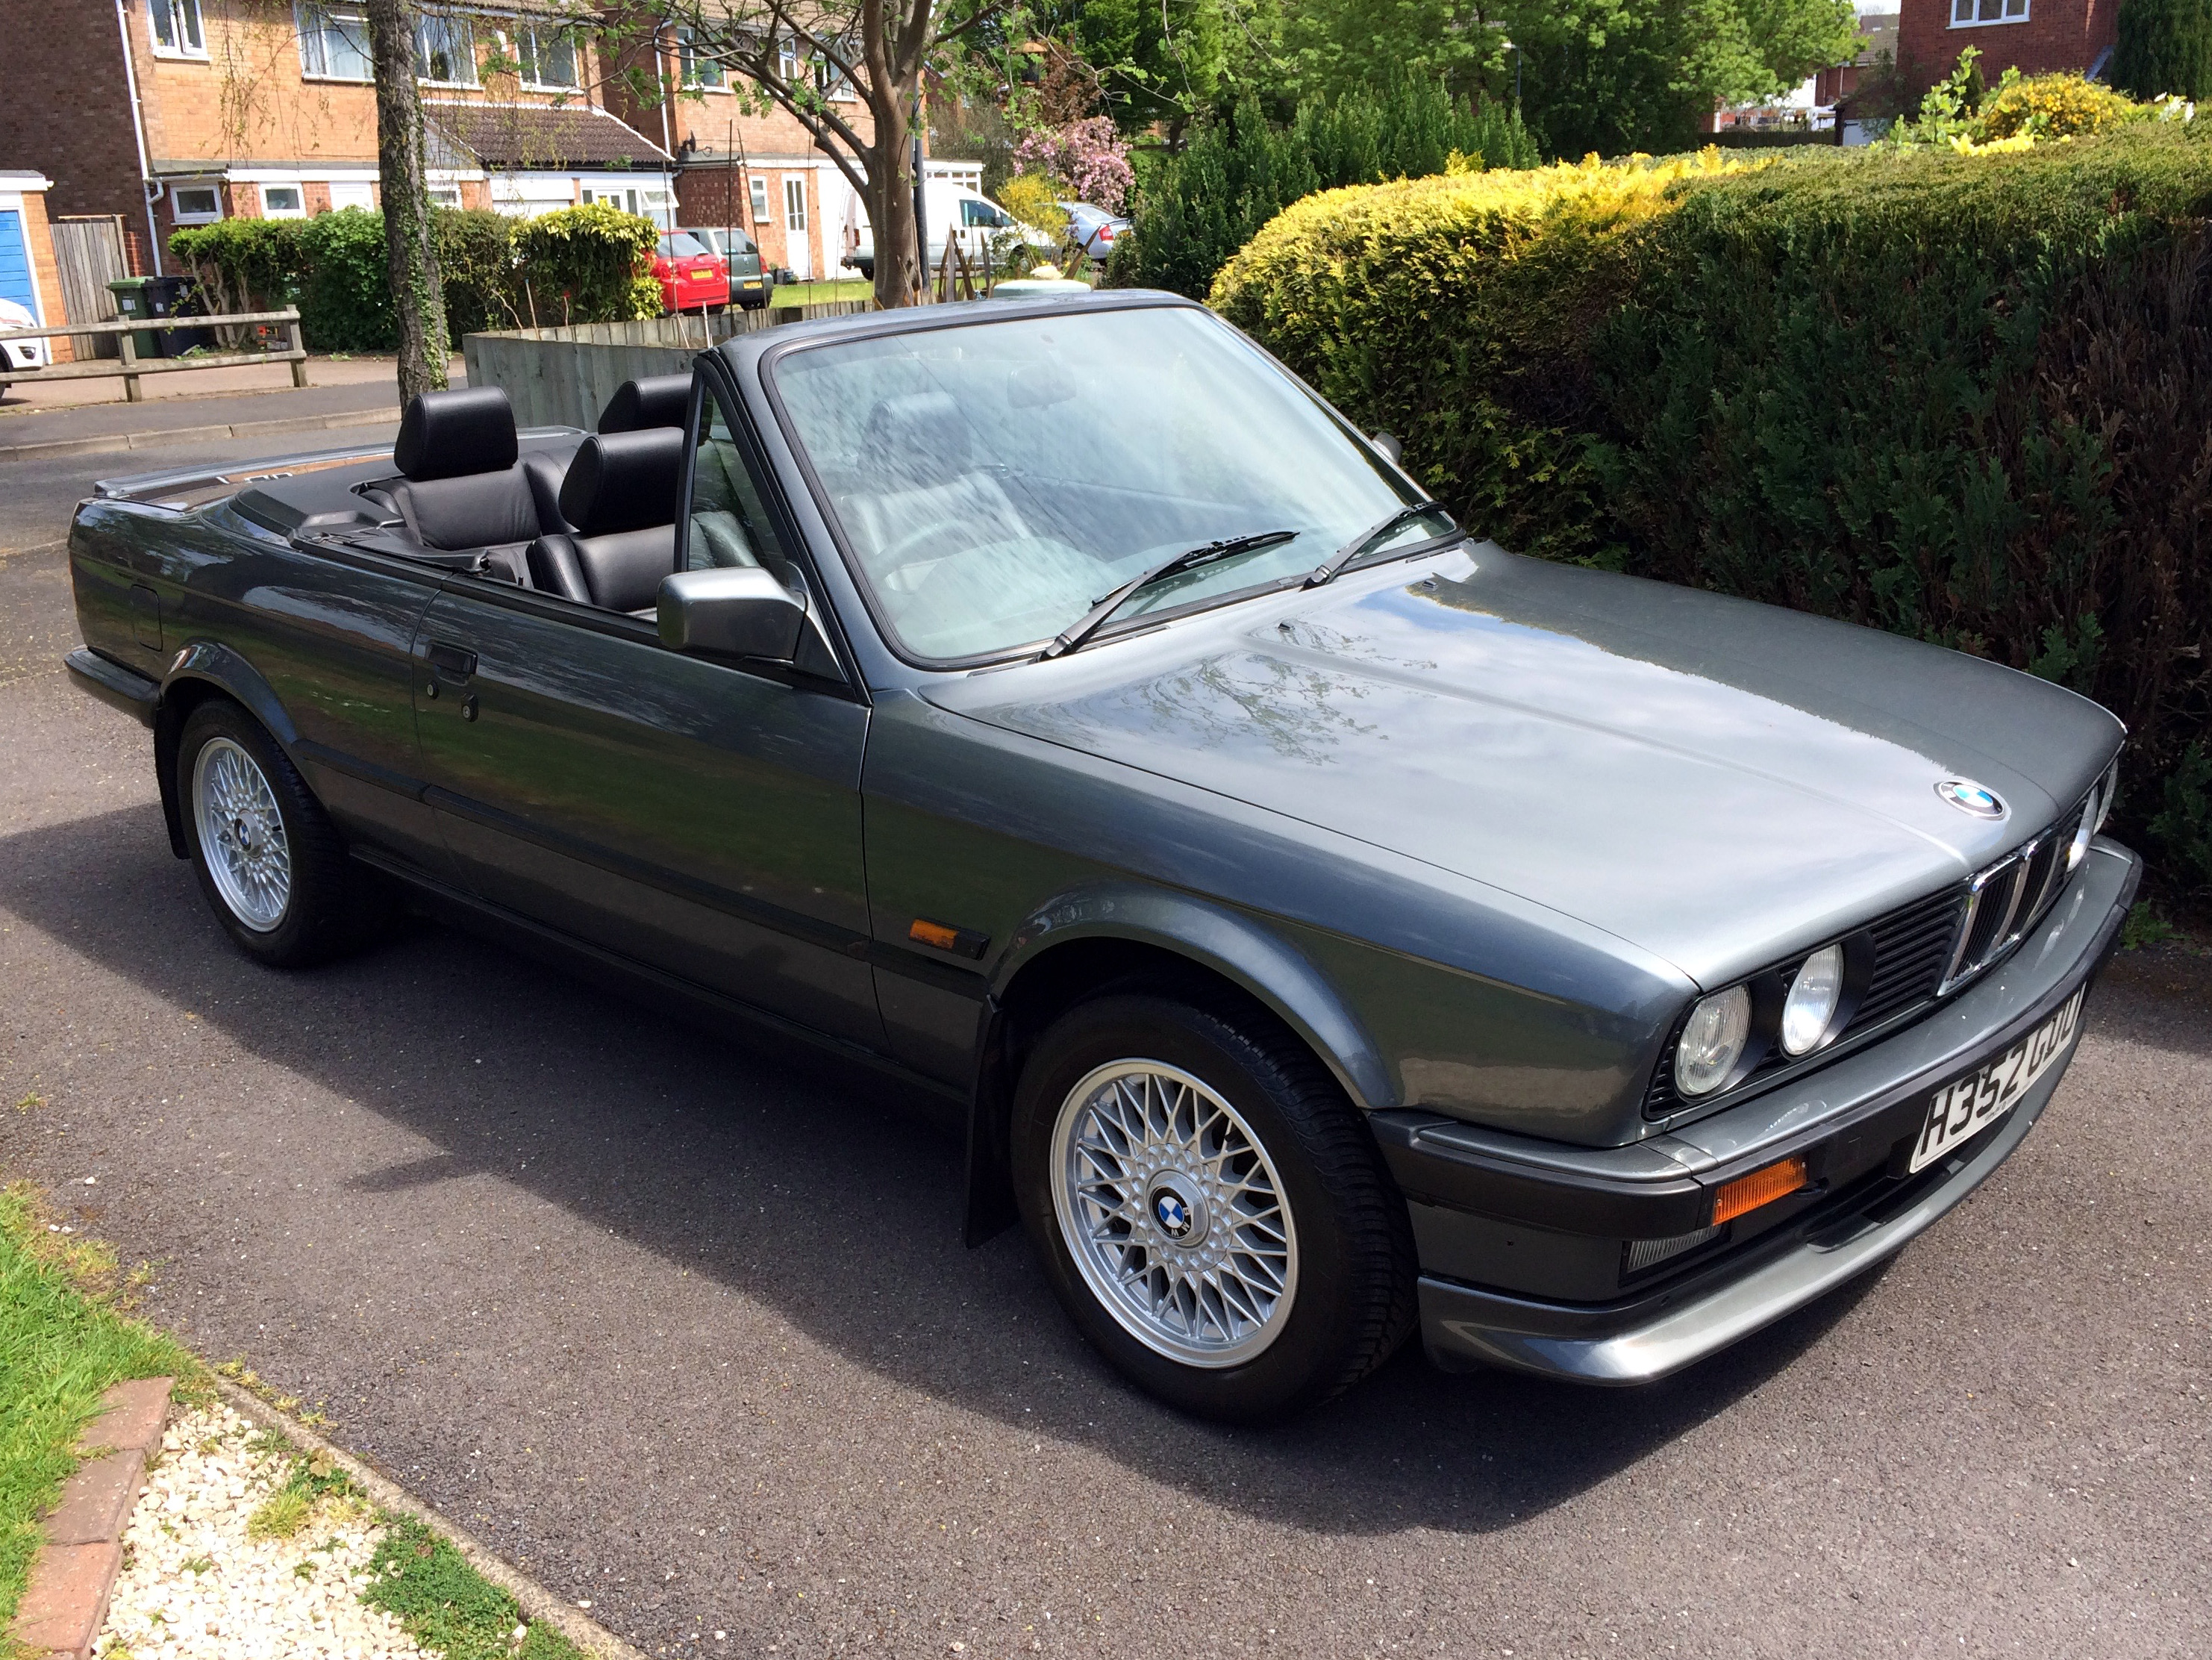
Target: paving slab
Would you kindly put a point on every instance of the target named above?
(133, 1418)
(67, 1602)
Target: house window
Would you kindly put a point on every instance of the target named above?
(445, 53)
(760, 201)
(795, 203)
(1969, 13)
(549, 57)
(195, 205)
(284, 202)
(830, 81)
(787, 61)
(352, 193)
(176, 25)
(334, 43)
(700, 69)
(443, 196)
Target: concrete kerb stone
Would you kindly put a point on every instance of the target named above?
(73, 1573)
(535, 1601)
(106, 443)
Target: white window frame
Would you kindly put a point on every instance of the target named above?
(180, 13)
(352, 187)
(534, 55)
(466, 43)
(300, 212)
(1979, 22)
(689, 62)
(787, 59)
(178, 213)
(795, 203)
(758, 189)
(443, 196)
(313, 23)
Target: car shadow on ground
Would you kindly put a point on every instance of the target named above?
(782, 1172)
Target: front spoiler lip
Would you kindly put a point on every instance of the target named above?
(1644, 1338)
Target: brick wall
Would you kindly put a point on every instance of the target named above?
(67, 109)
(38, 234)
(2056, 35)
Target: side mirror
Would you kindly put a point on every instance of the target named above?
(1389, 446)
(731, 611)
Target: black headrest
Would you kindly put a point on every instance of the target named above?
(655, 400)
(922, 437)
(450, 435)
(622, 481)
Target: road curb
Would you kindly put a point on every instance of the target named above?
(537, 1602)
(75, 1571)
(107, 443)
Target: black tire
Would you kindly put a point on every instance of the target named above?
(1352, 1301)
(333, 906)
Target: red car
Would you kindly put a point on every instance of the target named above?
(691, 275)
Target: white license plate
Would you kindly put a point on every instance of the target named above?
(1972, 1103)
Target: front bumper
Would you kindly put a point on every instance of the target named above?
(1497, 1215)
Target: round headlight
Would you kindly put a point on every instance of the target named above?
(2078, 849)
(1713, 1043)
(1811, 1005)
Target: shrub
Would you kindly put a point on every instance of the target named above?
(588, 264)
(1085, 159)
(345, 296)
(1033, 199)
(242, 264)
(1233, 176)
(1963, 397)
(2054, 107)
(2164, 46)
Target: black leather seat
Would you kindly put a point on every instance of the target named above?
(462, 486)
(652, 400)
(621, 496)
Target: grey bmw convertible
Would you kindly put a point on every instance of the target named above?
(1330, 924)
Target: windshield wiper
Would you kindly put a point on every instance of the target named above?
(1326, 570)
(1096, 619)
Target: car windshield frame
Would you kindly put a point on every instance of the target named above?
(773, 357)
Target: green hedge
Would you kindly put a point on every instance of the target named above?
(1194, 211)
(580, 264)
(1965, 398)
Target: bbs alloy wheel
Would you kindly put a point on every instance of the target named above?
(241, 833)
(1173, 1213)
(1210, 1209)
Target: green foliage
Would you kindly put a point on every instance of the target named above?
(62, 1345)
(588, 264)
(1034, 200)
(2164, 46)
(334, 268)
(2183, 827)
(1961, 112)
(2144, 925)
(1933, 392)
(1602, 76)
(447, 1606)
(1235, 175)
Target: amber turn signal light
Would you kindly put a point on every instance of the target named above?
(1761, 1187)
(935, 933)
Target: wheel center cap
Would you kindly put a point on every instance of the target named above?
(1177, 1209)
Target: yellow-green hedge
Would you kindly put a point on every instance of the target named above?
(1963, 396)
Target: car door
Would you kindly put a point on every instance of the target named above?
(702, 817)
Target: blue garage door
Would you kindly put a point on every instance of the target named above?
(16, 262)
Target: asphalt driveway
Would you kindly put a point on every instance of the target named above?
(679, 1321)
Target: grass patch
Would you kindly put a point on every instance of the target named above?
(426, 1586)
(63, 1343)
(817, 293)
(312, 1487)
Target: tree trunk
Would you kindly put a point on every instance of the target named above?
(889, 164)
(419, 296)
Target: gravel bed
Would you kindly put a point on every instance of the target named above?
(196, 1585)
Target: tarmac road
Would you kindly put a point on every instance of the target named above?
(680, 1323)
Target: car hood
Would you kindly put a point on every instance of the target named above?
(1715, 781)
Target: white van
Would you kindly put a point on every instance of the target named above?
(953, 208)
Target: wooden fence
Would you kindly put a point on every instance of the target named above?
(89, 252)
(564, 377)
(130, 366)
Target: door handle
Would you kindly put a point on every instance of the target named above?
(452, 661)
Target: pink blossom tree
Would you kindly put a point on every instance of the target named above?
(1086, 158)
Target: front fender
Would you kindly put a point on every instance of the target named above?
(200, 668)
(1237, 946)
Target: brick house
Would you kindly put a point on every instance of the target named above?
(173, 113)
(2037, 37)
(28, 274)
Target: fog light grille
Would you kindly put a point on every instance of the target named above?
(1643, 1254)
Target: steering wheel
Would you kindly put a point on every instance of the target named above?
(905, 549)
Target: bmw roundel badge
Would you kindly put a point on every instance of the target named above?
(1969, 797)
(1174, 1214)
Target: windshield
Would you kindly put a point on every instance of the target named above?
(995, 480)
(682, 245)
